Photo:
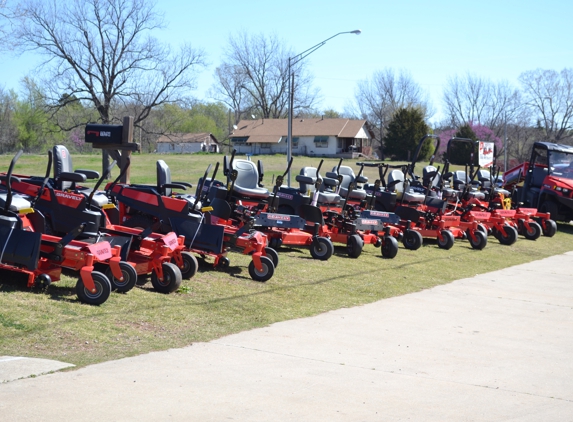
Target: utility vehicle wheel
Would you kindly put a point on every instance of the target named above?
(102, 287)
(534, 231)
(354, 246)
(389, 247)
(321, 248)
(129, 278)
(140, 222)
(266, 273)
(447, 240)
(480, 241)
(190, 265)
(413, 240)
(273, 255)
(509, 238)
(550, 228)
(171, 278)
(550, 207)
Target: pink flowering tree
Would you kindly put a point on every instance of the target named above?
(77, 138)
(482, 133)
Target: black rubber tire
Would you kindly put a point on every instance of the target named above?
(447, 240)
(138, 222)
(550, 228)
(171, 278)
(103, 289)
(129, 278)
(354, 246)
(511, 235)
(412, 240)
(551, 207)
(534, 231)
(389, 247)
(321, 248)
(224, 263)
(190, 265)
(266, 274)
(275, 243)
(480, 241)
(483, 228)
(273, 255)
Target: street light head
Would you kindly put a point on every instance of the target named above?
(356, 31)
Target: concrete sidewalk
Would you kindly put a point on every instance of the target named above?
(494, 347)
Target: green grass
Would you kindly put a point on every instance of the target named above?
(53, 324)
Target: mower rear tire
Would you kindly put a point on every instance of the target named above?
(171, 278)
(534, 231)
(412, 240)
(447, 240)
(389, 247)
(551, 207)
(190, 265)
(480, 241)
(509, 238)
(266, 273)
(354, 246)
(321, 248)
(550, 228)
(273, 255)
(102, 286)
(129, 278)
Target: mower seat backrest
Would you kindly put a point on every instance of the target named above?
(484, 178)
(62, 164)
(460, 179)
(247, 183)
(430, 177)
(163, 178)
(349, 177)
(324, 197)
(409, 195)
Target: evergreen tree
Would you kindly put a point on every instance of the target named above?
(405, 130)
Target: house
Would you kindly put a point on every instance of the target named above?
(313, 137)
(185, 143)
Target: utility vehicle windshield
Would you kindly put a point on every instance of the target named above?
(561, 164)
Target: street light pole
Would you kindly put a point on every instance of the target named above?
(291, 62)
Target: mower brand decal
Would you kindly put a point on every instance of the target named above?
(102, 250)
(69, 196)
(450, 218)
(506, 213)
(379, 214)
(284, 195)
(170, 240)
(369, 222)
(481, 215)
(278, 217)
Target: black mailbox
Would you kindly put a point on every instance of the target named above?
(104, 134)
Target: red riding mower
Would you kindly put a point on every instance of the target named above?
(158, 207)
(41, 257)
(65, 204)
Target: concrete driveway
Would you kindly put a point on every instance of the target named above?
(495, 347)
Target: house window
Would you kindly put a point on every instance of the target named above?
(240, 140)
(265, 145)
(321, 141)
(294, 141)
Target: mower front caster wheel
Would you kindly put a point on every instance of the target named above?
(273, 255)
(354, 246)
(446, 239)
(171, 278)
(510, 236)
(190, 265)
(102, 290)
(321, 248)
(480, 240)
(268, 269)
(550, 228)
(534, 231)
(412, 240)
(129, 278)
(389, 247)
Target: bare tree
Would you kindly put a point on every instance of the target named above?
(478, 100)
(379, 98)
(101, 52)
(8, 129)
(549, 95)
(254, 78)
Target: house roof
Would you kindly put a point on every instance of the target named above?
(272, 130)
(187, 138)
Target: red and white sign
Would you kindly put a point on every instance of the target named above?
(486, 154)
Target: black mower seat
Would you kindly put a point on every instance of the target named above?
(247, 183)
(349, 177)
(307, 179)
(430, 177)
(396, 183)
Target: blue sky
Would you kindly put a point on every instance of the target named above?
(433, 40)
